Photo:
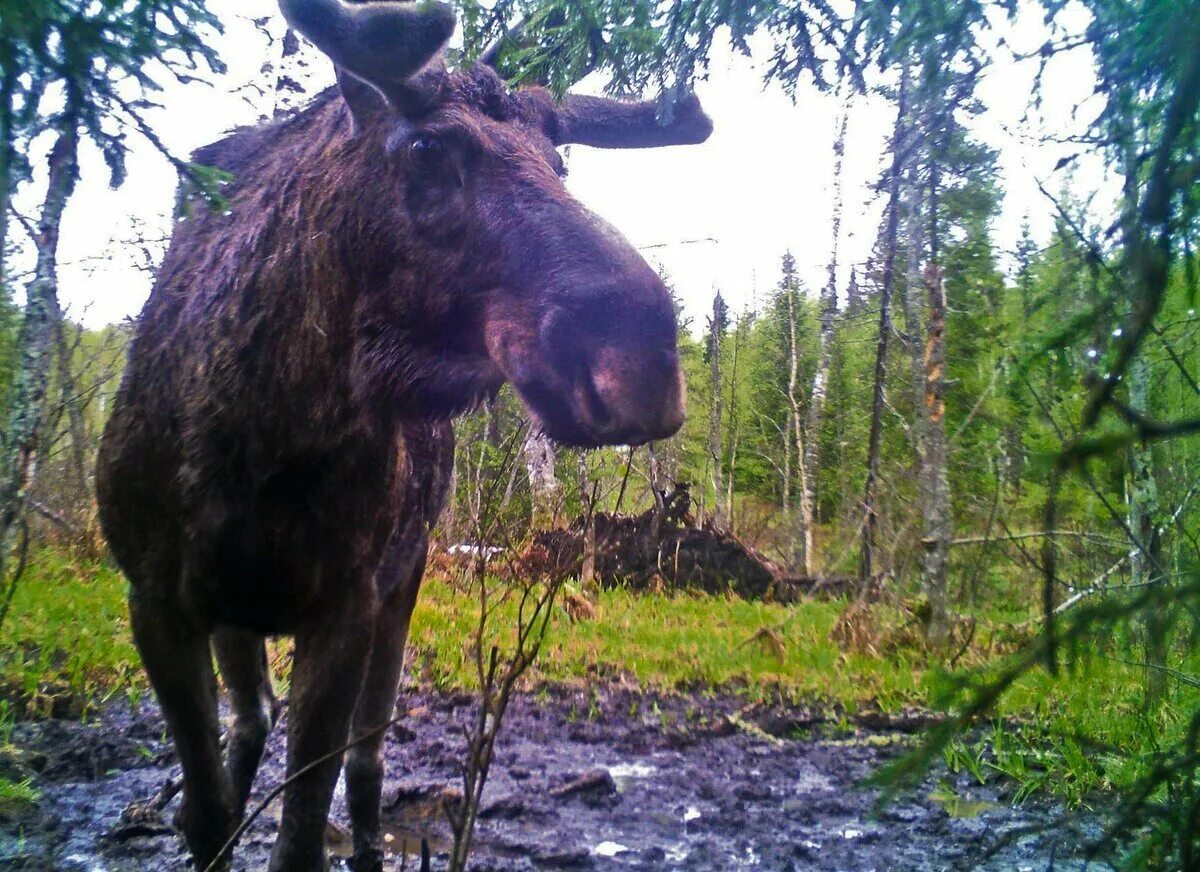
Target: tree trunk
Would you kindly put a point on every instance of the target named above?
(1018, 423)
(802, 540)
(715, 455)
(38, 332)
(8, 176)
(587, 501)
(935, 486)
(732, 433)
(785, 474)
(448, 526)
(658, 491)
(913, 301)
(1146, 559)
(72, 404)
(866, 569)
(544, 489)
(829, 310)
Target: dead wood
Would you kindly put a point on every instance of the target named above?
(664, 549)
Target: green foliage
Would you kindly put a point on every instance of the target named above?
(637, 43)
(66, 644)
(93, 52)
(10, 319)
(14, 794)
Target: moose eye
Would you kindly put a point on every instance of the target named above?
(426, 150)
(430, 161)
(427, 154)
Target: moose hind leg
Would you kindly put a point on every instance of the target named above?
(178, 660)
(242, 656)
(331, 657)
(376, 707)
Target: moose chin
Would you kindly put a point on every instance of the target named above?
(281, 445)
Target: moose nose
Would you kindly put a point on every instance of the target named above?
(634, 396)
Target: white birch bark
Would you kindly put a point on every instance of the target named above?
(811, 459)
(544, 487)
(39, 330)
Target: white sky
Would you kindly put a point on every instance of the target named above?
(762, 184)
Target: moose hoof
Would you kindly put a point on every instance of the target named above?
(367, 860)
(206, 835)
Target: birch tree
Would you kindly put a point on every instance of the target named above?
(39, 328)
(829, 310)
(94, 55)
(803, 538)
(544, 489)
(1145, 561)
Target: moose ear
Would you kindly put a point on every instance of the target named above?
(606, 123)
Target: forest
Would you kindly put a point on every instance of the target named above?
(928, 534)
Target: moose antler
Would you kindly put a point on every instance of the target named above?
(606, 123)
(382, 43)
(675, 119)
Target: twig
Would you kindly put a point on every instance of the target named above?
(1181, 677)
(1037, 534)
(27, 225)
(624, 480)
(50, 515)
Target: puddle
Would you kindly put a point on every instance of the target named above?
(398, 841)
(609, 849)
(958, 807)
(624, 774)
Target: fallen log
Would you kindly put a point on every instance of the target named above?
(664, 549)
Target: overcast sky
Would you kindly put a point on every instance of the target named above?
(761, 185)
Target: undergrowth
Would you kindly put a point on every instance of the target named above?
(66, 648)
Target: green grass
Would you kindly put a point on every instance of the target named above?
(683, 641)
(67, 638)
(15, 794)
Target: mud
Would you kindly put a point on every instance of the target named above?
(584, 779)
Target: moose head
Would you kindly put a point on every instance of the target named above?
(517, 280)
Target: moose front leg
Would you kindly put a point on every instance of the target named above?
(331, 657)
(376, 706)
(177, 659)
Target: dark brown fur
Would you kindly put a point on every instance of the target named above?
(280, 449)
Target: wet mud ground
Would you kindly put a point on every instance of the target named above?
(583, 779)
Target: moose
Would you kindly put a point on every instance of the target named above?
(281, 443)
